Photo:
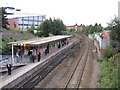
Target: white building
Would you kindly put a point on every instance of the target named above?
(28, 21)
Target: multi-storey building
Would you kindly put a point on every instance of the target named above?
(26, 22)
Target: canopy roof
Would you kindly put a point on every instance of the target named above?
(39, 41)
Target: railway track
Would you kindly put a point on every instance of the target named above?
(30, 83)
(71, 77)
(75, 77)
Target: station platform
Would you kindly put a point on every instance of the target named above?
(6, 79)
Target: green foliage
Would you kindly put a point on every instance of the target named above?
(109, 72)
(79, 31)
(4, 19)
(114, 26)
(6, 50)
(72, 30)
(14, 35)
(108, 52)
(110, 65)
(9, 28)
(51, 27)
(58, 27)
(6, 40)
(31, 30)
(108, 28)
(45, 28)
(115, 32)
(91, 29)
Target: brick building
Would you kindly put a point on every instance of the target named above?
(105, 35)
(76, 27)
(13, 23)
(23, 23)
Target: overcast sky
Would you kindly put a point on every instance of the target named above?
(70, 11)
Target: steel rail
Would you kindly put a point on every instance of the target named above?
(39, 76)
(71, 75)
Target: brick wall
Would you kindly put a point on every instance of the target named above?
(13, 23)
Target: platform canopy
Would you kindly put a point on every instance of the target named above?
(39, 41)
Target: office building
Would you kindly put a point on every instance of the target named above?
(23, 23)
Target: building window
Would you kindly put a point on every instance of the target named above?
(25, 22)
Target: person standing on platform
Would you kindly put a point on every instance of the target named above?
(33, 55)
(39, 56)
(45, 51)
(47, 48)
(59, 45)
(17, 55)
(9, 66)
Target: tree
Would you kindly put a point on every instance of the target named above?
(4, 15)
(115, 32)
(99, 28)
(31, 30)
(91, 29)
(51, 27)
(4, 19)
(58, 27)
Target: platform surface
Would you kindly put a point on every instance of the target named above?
(5, 78)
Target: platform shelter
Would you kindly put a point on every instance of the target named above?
(22, 50)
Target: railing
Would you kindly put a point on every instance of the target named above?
(5, 59)
(8, 58)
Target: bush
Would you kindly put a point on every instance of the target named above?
(109, 72)
(108, 52)
(6, 50)
(109, 75)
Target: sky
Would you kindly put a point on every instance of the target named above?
(70, 11)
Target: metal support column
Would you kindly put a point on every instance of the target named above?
(12, 53)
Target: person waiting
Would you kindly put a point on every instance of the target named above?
(9, 66)
(39, 56)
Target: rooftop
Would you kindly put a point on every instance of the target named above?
(38, 41)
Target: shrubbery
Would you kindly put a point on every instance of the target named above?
(108, 52)
(109, 68)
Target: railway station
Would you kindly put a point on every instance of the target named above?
(23, 64)
(24, 49)
(62, 64)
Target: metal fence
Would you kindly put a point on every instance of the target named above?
(8, 58)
